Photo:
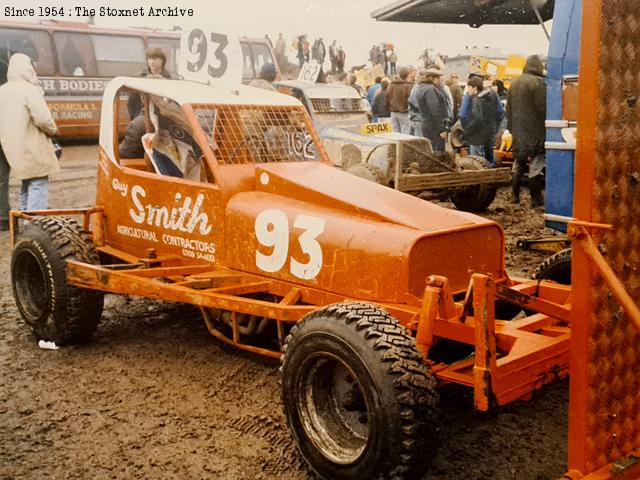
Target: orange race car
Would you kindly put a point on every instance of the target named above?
(371, 297)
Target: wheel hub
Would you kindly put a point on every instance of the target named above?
(30, 285)
(333, 409)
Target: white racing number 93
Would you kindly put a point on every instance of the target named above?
(207, 57)
(272, 231)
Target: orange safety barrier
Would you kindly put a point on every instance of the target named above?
(604, 426)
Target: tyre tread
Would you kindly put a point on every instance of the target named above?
(414, 386)
(553, 264)
(82, 307)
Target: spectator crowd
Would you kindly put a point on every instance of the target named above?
(417, 102)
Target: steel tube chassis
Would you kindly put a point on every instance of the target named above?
(512, 358)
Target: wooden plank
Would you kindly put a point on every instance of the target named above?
(429, 181)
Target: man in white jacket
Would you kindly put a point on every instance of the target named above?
(25, 127)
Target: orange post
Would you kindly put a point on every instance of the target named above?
(427, 319)
(484, 291)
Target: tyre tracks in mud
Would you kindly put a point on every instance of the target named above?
(283, 458)
(153, 397)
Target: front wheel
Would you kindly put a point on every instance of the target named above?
(474, 198)
(52, 309)
(357, 396)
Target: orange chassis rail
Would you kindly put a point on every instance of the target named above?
(512, 358)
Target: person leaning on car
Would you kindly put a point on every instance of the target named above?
(156, 66)
(398, 102)
(131, 145)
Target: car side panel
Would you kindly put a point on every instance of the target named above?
(170, 215)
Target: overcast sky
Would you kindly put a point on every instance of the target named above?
(347, 21)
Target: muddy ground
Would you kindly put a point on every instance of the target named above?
(154, 396)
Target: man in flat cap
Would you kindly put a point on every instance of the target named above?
(432, 104)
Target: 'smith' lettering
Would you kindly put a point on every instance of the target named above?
(184, 218)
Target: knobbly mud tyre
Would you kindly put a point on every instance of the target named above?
(557, 267)
(475, 198)
(357, 396)
(52, 309)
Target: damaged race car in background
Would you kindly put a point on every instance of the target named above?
(404, 162)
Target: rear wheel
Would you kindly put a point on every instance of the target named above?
(557, 267)
(357, 396)
(52, 309)
(475, 198)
